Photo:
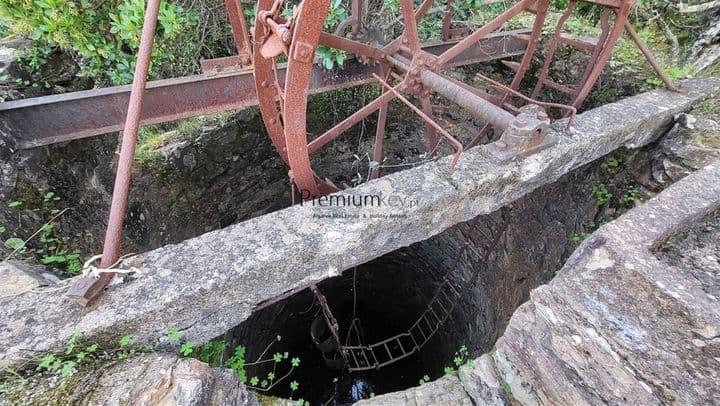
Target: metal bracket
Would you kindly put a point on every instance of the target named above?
(303, 52)
(526, 135)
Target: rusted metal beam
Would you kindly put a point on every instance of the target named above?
(58, 118)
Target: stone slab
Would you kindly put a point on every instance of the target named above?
(617, 325)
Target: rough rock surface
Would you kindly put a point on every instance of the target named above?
(697, 250)
(209, 284)
(148, 379)
(444, 391)
(18, 277)
(690, 145)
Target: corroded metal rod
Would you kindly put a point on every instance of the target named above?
(85, 292)
(650, 57)
(476, 105)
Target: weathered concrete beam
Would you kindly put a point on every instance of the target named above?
(206, 285)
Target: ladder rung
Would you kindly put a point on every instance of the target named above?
(558, 86)
(579, 44)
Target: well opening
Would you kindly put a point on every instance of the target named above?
(386, 296)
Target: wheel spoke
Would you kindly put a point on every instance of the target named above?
(455, 143)
(429, 129)
(346, 124)
(411, 33)
(476, 36)
(380, 130)
(350, 46)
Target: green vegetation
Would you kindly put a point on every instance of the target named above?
(629, 198)
(103, 37)
(212, 352)
(461, 357)
(79, 354)
(506, 389)
(45, 244)
(331, 56)
(601, 194)
(612, 164)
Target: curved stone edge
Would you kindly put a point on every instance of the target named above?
(208, 284)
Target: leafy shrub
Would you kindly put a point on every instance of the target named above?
(102, 36)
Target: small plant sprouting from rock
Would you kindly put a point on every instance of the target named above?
(461, 357)
(612, 164)
(265, 382)
(424, 379)
(66, 364)
(601, 194)
(49, 247)
(579, 237)
(212, 352)
(506, 389)
(629, 198)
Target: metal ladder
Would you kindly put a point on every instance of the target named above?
(393, 349)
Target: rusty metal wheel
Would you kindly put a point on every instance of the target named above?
(403, 67)
(283, 100)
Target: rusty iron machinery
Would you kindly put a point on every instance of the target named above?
(406, 69)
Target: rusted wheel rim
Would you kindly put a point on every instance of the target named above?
(288, 133)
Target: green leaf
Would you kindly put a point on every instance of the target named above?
(186, 349)
(80, 357)
(294, 385)
(271, 376)
(15, 204)
(277, 357)
(15, 244)
(68, 369)
(72, 342)
(254, 380)
(174, 335)
(124, 341)
(2, 229)
(295, 362)
(46, 361)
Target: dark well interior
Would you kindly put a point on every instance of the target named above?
(389, 293)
